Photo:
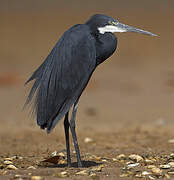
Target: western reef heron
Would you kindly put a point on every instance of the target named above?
(62, 77)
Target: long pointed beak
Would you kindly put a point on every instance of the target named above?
(126, 28)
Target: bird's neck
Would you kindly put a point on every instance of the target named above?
(106, 45)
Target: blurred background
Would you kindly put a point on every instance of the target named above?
(133, 88)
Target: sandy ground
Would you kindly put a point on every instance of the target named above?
(127, 107)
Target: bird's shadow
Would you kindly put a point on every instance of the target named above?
(85, 164)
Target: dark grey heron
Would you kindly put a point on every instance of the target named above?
(62, 77)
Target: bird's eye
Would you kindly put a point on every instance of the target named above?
(113, 23)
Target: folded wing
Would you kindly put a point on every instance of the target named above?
(60, 80)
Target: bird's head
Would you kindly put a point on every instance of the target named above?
(103, 24)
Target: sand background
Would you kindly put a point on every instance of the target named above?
(129, 94)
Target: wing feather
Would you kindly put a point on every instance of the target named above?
(60, 80)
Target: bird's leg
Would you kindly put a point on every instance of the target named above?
(72, 127)
(66, 127)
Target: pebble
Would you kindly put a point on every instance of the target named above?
(114, 159)
(17, 175)
(172, 155)
(92, 174)
(138, 175)
(14, 157)
(171, 164)
(12, 167)
(171, 141)
(156, 171)
(124, 175)
(31, 167)
(54, 153)
(153, 159)
(165, 166)
(135, 157)
(149, 161)
(151, 177)
(61, 154)
(145, 173)
(129, 162)
(20, 157)
(36, 178)
(88, 140)
(63, 174)
(133, 165)
(62, 161)
(7, 162)
(151, 166)
(97, 158)
(84, 172)
(121, 157)
(97, 169)
(8, 159)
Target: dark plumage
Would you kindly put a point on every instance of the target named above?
(62, 77)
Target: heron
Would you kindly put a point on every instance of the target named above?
(60, 80)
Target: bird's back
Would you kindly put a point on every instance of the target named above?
(60, 80)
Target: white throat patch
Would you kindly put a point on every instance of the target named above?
(110, 28)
